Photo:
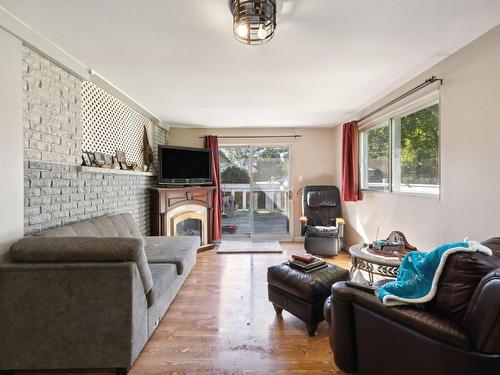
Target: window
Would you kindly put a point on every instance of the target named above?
(375, 146)
(401, 154)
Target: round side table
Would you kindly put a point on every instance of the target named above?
(373, 264)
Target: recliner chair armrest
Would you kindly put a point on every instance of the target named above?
(481, 321)
(303, 225)
(340, 225)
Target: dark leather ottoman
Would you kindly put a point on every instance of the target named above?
(302, 294)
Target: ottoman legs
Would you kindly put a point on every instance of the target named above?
(311, 329)
(278, 309)
(310, 313)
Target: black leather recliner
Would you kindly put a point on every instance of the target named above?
(458, 332)
(321, 223)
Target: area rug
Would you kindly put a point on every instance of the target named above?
(234, 247)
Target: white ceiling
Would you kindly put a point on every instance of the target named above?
(328, 60)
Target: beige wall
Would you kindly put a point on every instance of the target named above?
(312, 154)
(11, 140)
(470, 158)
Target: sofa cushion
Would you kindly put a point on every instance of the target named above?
(178, 250)
(82, 250)
(163, 278)
(118, 225)
(321, 231)
(459, 280)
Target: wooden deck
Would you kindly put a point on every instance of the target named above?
(264, 223)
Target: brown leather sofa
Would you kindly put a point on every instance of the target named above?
(457, 333)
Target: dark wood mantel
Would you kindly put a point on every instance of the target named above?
(164, 200)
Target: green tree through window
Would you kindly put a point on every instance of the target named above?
(419, 147)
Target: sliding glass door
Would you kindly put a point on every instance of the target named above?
(255, 186)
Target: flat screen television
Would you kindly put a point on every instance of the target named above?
(184, 165)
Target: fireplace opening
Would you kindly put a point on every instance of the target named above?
(189, 227)
(188, 220)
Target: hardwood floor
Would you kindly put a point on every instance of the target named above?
(222, 323)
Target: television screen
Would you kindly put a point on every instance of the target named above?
(184, 166)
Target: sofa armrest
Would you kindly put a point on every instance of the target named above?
(482, 319)
(83, 249)
(343, 330)
(71, 315)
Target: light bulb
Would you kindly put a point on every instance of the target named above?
(242, 30)
(262, 32)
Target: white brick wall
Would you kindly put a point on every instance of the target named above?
(51, 111)
(55, 193)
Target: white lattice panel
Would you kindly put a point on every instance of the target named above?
(109, 124)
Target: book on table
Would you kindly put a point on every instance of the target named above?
(321, 266)
(318, 263)
(306, 258)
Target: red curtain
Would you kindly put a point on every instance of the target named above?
(212, 142)
(351, 190)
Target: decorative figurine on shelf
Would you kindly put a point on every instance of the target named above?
(86, 159)
(116, 163)
(122, 159)
(148, 153)
(395, 245)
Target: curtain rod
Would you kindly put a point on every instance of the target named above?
(259, 136)
(426, 83)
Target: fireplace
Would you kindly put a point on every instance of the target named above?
(189, 223)
(188, 220)
(183, 211)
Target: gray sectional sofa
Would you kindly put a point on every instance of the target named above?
(87, 295)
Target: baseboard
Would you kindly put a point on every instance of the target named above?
(210, 246)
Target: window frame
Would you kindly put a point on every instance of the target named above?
(393, 119)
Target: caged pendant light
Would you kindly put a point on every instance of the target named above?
(254, 21)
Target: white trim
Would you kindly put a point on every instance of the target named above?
(83, 168)
(41, 44)
(392, 300)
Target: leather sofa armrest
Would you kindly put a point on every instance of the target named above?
(482, 319)
(411, 317)
(343, 330)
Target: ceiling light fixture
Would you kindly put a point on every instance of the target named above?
(254, 21)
